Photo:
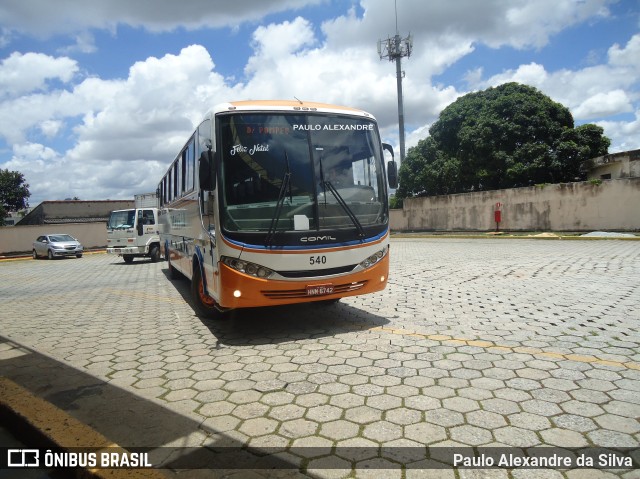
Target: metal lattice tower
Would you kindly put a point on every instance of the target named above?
(394, 49)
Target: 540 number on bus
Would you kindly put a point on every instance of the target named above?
(315, 260)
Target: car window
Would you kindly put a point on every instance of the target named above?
(57, 238)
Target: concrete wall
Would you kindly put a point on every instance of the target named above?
(582, 206)
(15, 239)
(55, 212)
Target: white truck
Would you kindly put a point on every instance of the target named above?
(134, 233)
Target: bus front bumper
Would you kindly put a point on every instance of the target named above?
(239, 290)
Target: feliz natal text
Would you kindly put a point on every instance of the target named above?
(245, 149)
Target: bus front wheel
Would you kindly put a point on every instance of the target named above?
(204, 304)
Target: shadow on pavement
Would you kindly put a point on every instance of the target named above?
(277, 324)
(127, 419)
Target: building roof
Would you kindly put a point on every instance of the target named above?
(73, 211)
(630, 155)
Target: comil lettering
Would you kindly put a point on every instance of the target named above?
(311, 239)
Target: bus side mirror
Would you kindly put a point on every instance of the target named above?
(392, 174)
(392, 167)
(205, 171)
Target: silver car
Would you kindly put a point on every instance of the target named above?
(56, 245)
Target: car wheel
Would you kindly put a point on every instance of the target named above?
(49, 254)
(79, 255)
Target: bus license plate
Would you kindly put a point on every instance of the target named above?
(319, 289)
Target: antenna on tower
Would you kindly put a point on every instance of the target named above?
(394, 49)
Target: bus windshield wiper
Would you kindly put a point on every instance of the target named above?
(327, 184)
(322, 179)
(286, 185)
(345, 207)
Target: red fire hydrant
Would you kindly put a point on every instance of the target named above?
(497, 215)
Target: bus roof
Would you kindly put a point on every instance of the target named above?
(287, 105)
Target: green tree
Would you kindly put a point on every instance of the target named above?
(503, 137)
(14, 192)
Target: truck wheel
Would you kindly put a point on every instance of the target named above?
(154, 253)
(204, 305)
(128, 258)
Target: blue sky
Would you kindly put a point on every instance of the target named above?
(96, 98)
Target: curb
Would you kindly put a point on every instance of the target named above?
(46, 426)
(20, 257)
(542, 236)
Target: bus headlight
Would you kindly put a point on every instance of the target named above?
(247, 267)
(374, 258)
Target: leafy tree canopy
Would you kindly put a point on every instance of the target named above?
(14, 192)
(503, 137)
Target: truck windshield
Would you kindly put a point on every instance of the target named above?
(312, 154)
(121, 219)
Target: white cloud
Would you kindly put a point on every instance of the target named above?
(33, 152)
(531, 74)
(149, 115)
(44, 18)
(127, 130)
(518, 23)
(532, 23)
(603, 104)
(626, 133)
(21, 73)
(627, 57)
(590, 93)
(50, 128)
(84, 43)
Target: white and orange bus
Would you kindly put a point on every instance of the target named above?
(278, 202)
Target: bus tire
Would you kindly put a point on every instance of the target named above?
(173, 272)
(203, 304)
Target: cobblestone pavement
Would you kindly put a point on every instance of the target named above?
(488, 343)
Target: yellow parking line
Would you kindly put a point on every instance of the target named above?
(491, 346)
(64, 430)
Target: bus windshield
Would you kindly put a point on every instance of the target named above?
(300, 172)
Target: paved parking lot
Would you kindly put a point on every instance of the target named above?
(484, 343)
